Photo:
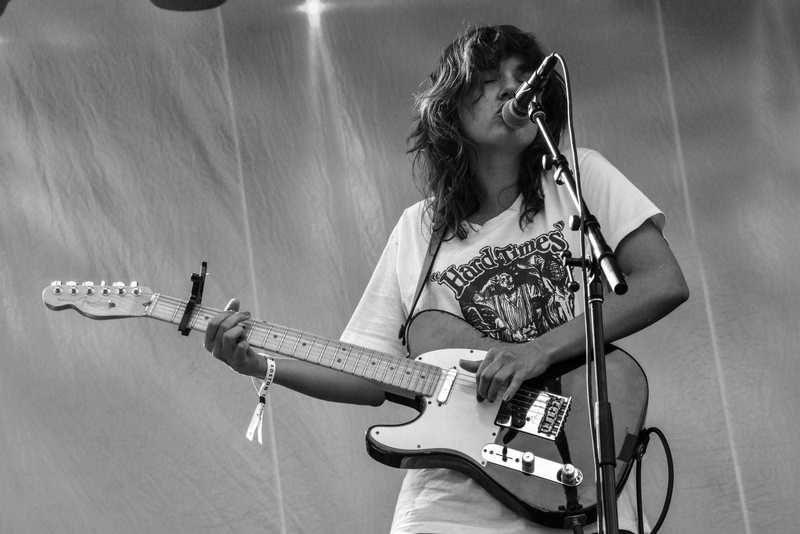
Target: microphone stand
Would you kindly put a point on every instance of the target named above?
(601, 264)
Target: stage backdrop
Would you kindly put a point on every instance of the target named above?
(136, 142)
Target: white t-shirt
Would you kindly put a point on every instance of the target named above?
(507, 282)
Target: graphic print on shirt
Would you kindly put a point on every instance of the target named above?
(514, 292)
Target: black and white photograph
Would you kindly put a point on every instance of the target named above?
(399, 266)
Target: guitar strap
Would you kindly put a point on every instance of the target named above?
(425, 273)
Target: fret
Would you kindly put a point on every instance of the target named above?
(347, 357)
(174, 313)
(399, 375)
(308, 352)
(322, 354)
(280, 343)
(336, 360)
(350, 365)
(193, 321)
(347, 350)
(363, 365)
(266, 336)
(294, 349)
(384, 369)
(422, 377)
(393, 368)
(407, 376)
(372, 367)
(357, 365)
(410, 373)
(337, 356)
(151, 308)
(372, 364)
(273, 337)
(412, 376)
(312, 346)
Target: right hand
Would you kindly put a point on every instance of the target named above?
(226, 342)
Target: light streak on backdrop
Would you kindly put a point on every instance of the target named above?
(314, 9)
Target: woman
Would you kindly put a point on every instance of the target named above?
(503, 221)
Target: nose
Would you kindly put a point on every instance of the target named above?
(508, 88)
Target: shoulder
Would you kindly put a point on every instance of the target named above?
(414, 224)
(593, 162)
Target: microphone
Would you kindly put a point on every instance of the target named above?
(515, 111)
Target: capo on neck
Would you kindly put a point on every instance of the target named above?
(198, 281)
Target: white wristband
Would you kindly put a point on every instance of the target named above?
(256, 422)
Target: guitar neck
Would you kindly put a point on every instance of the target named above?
(393, 373)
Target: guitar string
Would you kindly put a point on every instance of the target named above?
(465, 378)
(467, 381)
(259, 328)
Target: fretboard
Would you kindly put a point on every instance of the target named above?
(392, 372)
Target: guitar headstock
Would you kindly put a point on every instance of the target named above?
(101, 301)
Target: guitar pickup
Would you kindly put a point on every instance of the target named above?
(447, 386)
(539, 413)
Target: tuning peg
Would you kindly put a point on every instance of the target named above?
(56, 285)
(134, 285)
(120, 287)
(89, 287)
(73, 286)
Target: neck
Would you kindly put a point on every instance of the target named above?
(497, 175)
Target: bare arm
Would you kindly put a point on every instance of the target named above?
(656, 286)
(225, 340)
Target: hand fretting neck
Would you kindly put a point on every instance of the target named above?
(390, 371)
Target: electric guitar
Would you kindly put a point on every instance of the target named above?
(534, 453)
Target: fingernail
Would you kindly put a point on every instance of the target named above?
(480, 399)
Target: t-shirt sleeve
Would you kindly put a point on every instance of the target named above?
(620, 207)
(376, 321)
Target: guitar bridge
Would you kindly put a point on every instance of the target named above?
(539, 413)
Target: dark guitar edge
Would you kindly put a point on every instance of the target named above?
(439, 458)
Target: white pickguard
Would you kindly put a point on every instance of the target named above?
(461, 425)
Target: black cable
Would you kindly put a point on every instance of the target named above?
(644, 438)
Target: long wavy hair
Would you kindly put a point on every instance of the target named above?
(442, 152)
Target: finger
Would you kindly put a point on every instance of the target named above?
(226, 343)
(486, 376)
(470, 365)
(239, 358)
(228, 322)
(499, 382)
(232, 305)
(212, 328)
(513, 387)
(491, 354)
(233, 320)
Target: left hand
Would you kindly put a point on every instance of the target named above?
(501, 373)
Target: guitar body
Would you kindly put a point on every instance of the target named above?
(533, 453)
(455, 434)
